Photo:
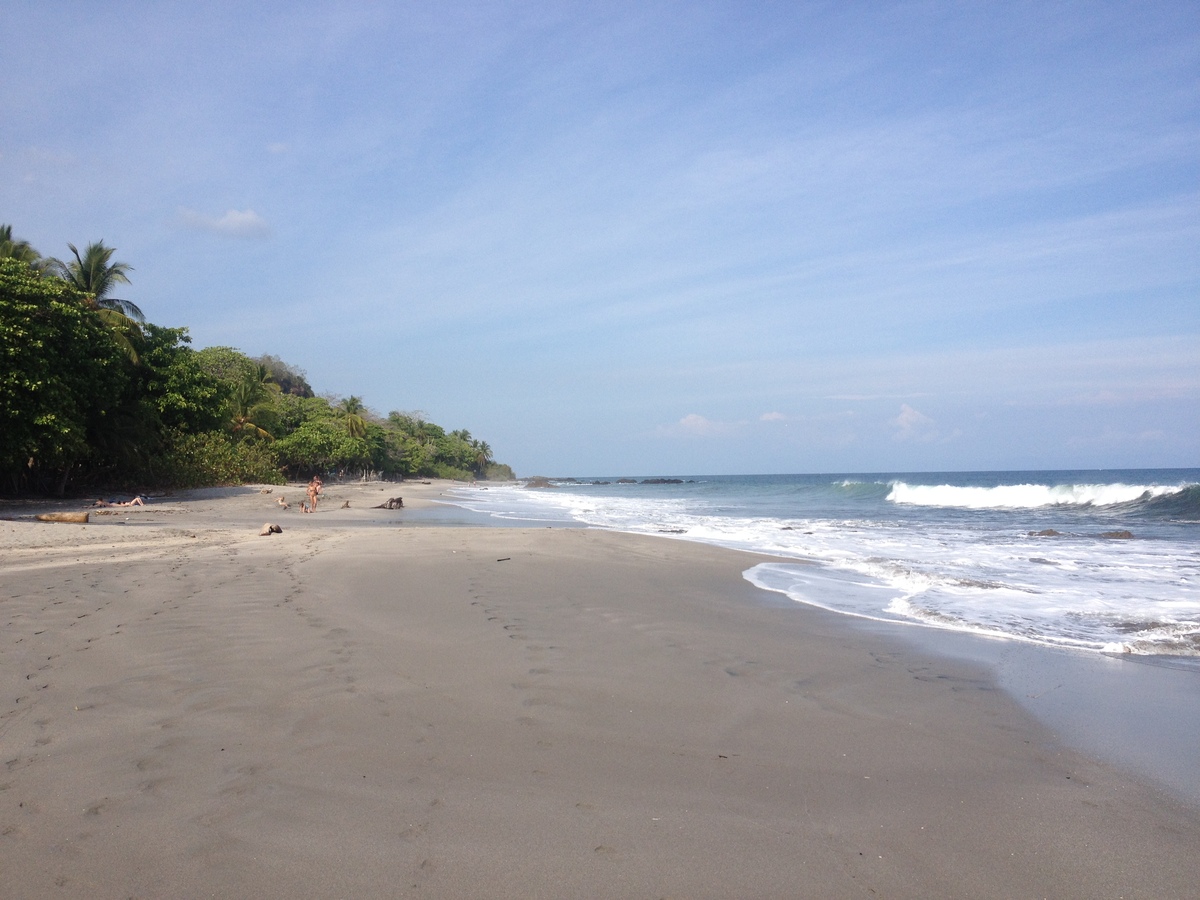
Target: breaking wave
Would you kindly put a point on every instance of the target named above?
(1033, 496)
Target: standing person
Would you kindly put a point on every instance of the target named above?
(314, 488)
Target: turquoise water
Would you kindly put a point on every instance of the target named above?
(1042, 557)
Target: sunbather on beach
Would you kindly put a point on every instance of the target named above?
(139, 500)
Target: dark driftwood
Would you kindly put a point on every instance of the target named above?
(394, 503)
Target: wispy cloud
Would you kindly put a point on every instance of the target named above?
(912, 424)
(696, 425)
(772, 417)
(235, 223)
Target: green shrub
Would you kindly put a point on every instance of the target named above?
(442, 470)
(212, 458)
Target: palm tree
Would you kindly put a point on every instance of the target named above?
(483, 456)
(94, 275)
(250, 399)
(350, 411)
(11, 248)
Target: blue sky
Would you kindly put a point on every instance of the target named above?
(653, 237)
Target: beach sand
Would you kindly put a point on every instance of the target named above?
(363, 706)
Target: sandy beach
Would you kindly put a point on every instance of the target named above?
(369, 706)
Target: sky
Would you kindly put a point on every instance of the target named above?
(653, 237)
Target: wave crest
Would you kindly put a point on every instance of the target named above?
(1027, 496)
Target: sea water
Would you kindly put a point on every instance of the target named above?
(1103, 561)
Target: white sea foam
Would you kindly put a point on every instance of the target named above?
(1024, 496)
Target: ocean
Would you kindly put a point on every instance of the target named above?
(1101, 561)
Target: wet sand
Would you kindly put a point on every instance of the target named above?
(351, 709)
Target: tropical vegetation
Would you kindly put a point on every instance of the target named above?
(91, 394)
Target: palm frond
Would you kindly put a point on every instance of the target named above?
(121, 328)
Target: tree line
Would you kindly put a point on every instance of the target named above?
(91, 394)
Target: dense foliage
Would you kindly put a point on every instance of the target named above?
(92, 394)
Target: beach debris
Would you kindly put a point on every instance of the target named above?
(504, 559)
(79, 518)
(346, 505)
(1118, 535)
(270, 528)
(264, 490)
(394, 503)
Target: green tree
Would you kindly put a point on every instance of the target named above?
(168, 395)
(226, 364)
(250, 403)
(350, 413)
(317, 446)
(290, 379)
(180, 392)
(248, 389)
(94, 275)
(11, 248)
(59, 375)
(483, 457)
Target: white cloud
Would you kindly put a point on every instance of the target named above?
(772, 417)
(913, 424)
(695, 425)
(235, 223)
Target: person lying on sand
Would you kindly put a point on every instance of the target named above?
(282, 503)
(139, 500)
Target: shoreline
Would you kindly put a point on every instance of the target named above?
(509, 712)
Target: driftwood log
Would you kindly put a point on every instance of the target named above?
(394, 503)
(269, 528)
(77, 517)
